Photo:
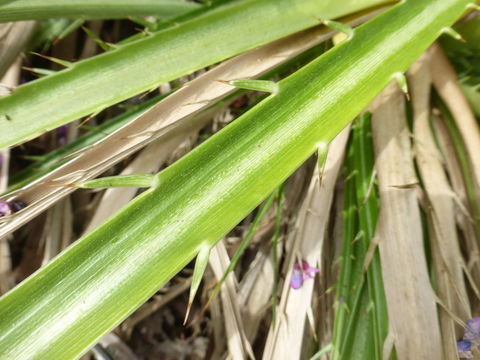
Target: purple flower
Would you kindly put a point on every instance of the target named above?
(300, 273)
(62, 134)
(297, 279)
(471, 338)
(464, 349)
(5, 209)
(472, 331)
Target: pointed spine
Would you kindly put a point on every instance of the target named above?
(55, 60)
(137, 180)
(106, 46)
(39, 71)
(340, 27)
(322, 153)
(256, 85)
(473, 6)
(200, 266)
(453, 33)
(401, 79)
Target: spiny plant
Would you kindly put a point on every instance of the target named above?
(64, 308)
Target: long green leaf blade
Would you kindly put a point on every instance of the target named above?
(92, 9)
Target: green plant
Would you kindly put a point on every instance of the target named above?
(108, 273)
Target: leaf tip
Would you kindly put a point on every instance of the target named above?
(200, 266)
(256, 85)
(402, 82)
(340, 27)
(55, 60)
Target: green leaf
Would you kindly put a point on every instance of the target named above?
(60, 156)
(96, 83)
(368, 208)
(92, 9)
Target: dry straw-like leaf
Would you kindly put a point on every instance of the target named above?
(412, 313)
(440, 209)
(448, 87)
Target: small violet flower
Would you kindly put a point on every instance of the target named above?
(464, 349)
(302, 272)
(5, 209)
(472, 331)
(471, 338)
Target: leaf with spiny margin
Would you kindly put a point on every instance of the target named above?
(114, 76)
(115, 268)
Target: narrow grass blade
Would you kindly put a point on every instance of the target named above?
(359, 302)
(92, 9)
(274, 243)
(368, 208)
(347, 285)
(200, 266)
